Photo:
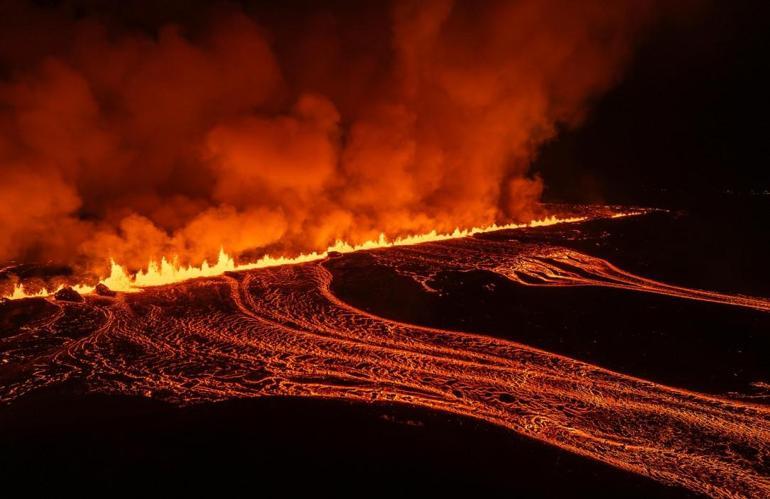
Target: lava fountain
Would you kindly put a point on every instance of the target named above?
(168, 272)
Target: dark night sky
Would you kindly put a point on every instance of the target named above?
(686, 123)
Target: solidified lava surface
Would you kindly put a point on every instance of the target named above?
(464, 330)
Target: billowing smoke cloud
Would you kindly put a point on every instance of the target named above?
(284, 130)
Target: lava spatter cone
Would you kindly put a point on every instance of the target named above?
(102, 290)
(68, 294)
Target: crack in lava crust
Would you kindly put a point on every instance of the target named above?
(281, 331)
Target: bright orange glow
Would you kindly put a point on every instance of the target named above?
(169, 272)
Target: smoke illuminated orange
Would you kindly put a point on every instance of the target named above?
(247, 132)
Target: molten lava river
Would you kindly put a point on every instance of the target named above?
(283, 331)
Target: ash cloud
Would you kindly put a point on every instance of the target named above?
(138, 136)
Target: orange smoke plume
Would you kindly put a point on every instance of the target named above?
(253, 131)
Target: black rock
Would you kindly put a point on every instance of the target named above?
(103, 290)
(68, 294)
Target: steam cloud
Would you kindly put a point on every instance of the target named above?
(285, 130)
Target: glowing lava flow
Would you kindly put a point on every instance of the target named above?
(542, 266)
(282, 332)
(169, 272)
